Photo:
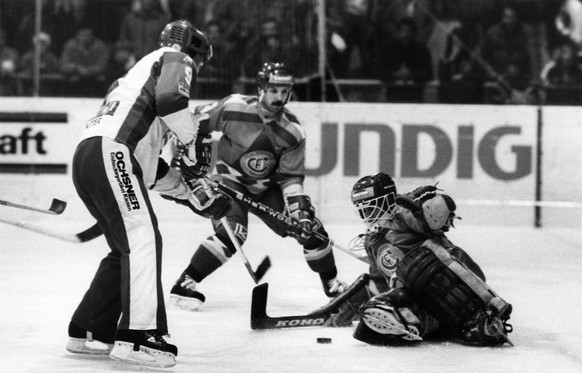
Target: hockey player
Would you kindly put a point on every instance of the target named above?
(421, 284)
(260, 154)
(116, 162)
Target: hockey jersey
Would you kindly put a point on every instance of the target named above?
(255, 150)
(404, 232)
(142, 107)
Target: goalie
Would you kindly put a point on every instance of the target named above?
(421, 284)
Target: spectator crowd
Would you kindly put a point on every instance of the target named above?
(449, 51)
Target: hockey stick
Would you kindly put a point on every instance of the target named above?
(257, 274)
(265, 264)
(280, 216)
(84, 236)
(57, 206)
(320, 317)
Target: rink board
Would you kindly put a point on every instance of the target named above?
(486, 157)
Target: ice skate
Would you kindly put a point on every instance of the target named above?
(144, 347)
(184, 294)
(84, 342)
(486, 329)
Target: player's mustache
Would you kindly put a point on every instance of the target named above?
(277, 103)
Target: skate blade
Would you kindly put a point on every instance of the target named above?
(148, 357)
(185, 303)
(84, 347)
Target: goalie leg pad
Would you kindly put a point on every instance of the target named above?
(437, 288)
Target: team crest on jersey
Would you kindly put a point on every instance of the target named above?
(258, 163)
(387, 259)
(188, 74)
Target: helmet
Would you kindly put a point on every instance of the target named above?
(182, 36)
(276, 74)
(374, 197)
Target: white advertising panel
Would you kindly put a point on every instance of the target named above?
(484, 153)
(483, 156)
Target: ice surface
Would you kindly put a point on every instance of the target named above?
(42, 279)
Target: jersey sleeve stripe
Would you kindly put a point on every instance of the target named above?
(238, 116)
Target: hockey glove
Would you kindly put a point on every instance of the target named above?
(439, 212)
(208, 202)
(423, 193)
(197, 157)
(414, 200)
(435, 209)
(301, 211)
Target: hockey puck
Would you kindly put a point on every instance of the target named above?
(323, 340)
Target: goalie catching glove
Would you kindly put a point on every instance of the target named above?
(301, 211)
(436, 210)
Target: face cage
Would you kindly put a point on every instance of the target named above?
(376, 209)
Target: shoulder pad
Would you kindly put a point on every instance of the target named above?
(171, 55)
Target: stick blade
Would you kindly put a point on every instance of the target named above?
(58, 206)
(89, 233)
(259, 306)
(263, 268)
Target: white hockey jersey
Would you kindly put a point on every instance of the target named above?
(144, 105)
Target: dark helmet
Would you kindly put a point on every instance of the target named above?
(276, 74)
(182, 36)
(374, 197)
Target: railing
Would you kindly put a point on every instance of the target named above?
(338, 90)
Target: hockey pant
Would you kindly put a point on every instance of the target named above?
(128, 281)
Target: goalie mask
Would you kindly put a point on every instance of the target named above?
(275, 86)
(374, 198)
(184, 37)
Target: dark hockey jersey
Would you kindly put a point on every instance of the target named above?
(254, 150)
(403, 232)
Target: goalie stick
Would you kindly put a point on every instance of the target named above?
(279, 216)
(57, 206)
(84, 236)
(262, 269)
(320, 317)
